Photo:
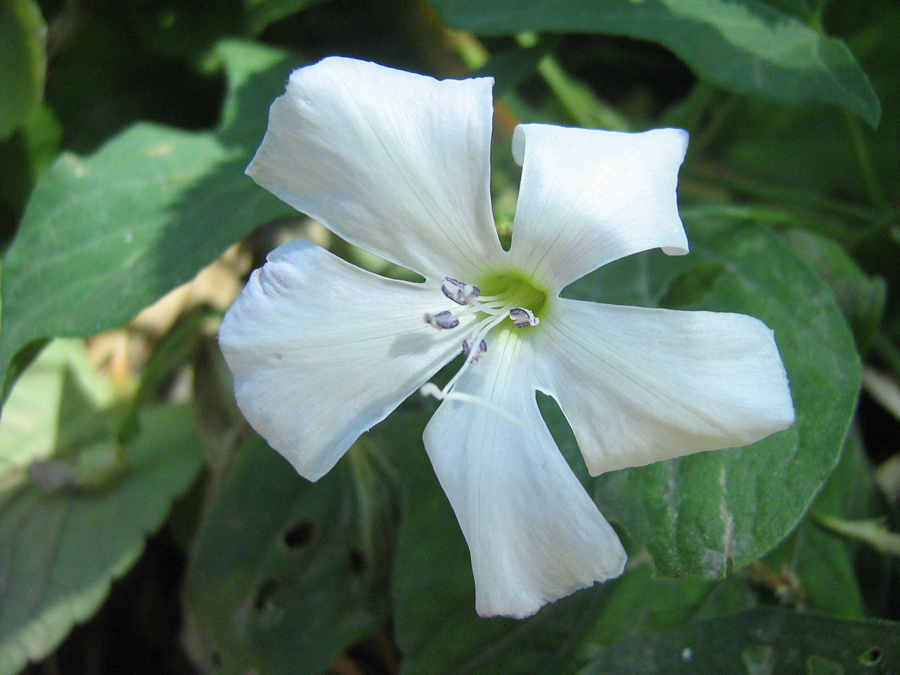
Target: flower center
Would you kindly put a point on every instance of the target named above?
(516, 289)
(498, 297)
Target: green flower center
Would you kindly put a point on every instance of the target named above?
(515, 290)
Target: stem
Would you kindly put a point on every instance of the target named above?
(864, 159)
(872, 532)
(888, 351)
(577, 99)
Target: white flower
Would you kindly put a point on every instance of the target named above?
(321, 350)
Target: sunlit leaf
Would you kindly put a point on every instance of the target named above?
(50, 407)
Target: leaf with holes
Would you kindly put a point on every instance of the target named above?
(702, 513)
(107, 235)
(289, 574)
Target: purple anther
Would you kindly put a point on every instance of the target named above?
(442, 320)
(478, 353)
(458, 292)
(523, 317)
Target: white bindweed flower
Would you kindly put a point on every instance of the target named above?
(321, 350)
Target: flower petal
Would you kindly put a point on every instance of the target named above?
(642, 385)
(395, 163)
(322, 350)
(533, 532)
(589, 197)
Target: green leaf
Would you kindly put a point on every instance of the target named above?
(261, 13)
(691, 286)
(747, 46)
(290, 574)
(105, 236)
(639, 604)
(700, 514)
(67, 536)
(23, 62)
(57, 403)
(758, 641)
(860, 297)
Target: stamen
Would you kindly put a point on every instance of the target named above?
(458, 292)
(431, 389)
(478, 353)
(483, 330)
(442, 320)
(523, 317)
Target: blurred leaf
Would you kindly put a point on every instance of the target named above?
(691, 286)
(261, 13)
(42, 414)
(747, 46)
(105, 236)
(860, 297)
(702, 513)
(180, 29)
(510, 68)
(26, 155)
(22, 62)
(63, 548)
(756, 642)
(289, 574)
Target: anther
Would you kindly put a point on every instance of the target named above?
(523, 317)
(477, 353)
(442, 320)
(458, 292)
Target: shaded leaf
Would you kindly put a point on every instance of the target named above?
(289, 574)
(639, 604)
(758, 641)
(261, 13)
(747, 46)
(691, 286)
